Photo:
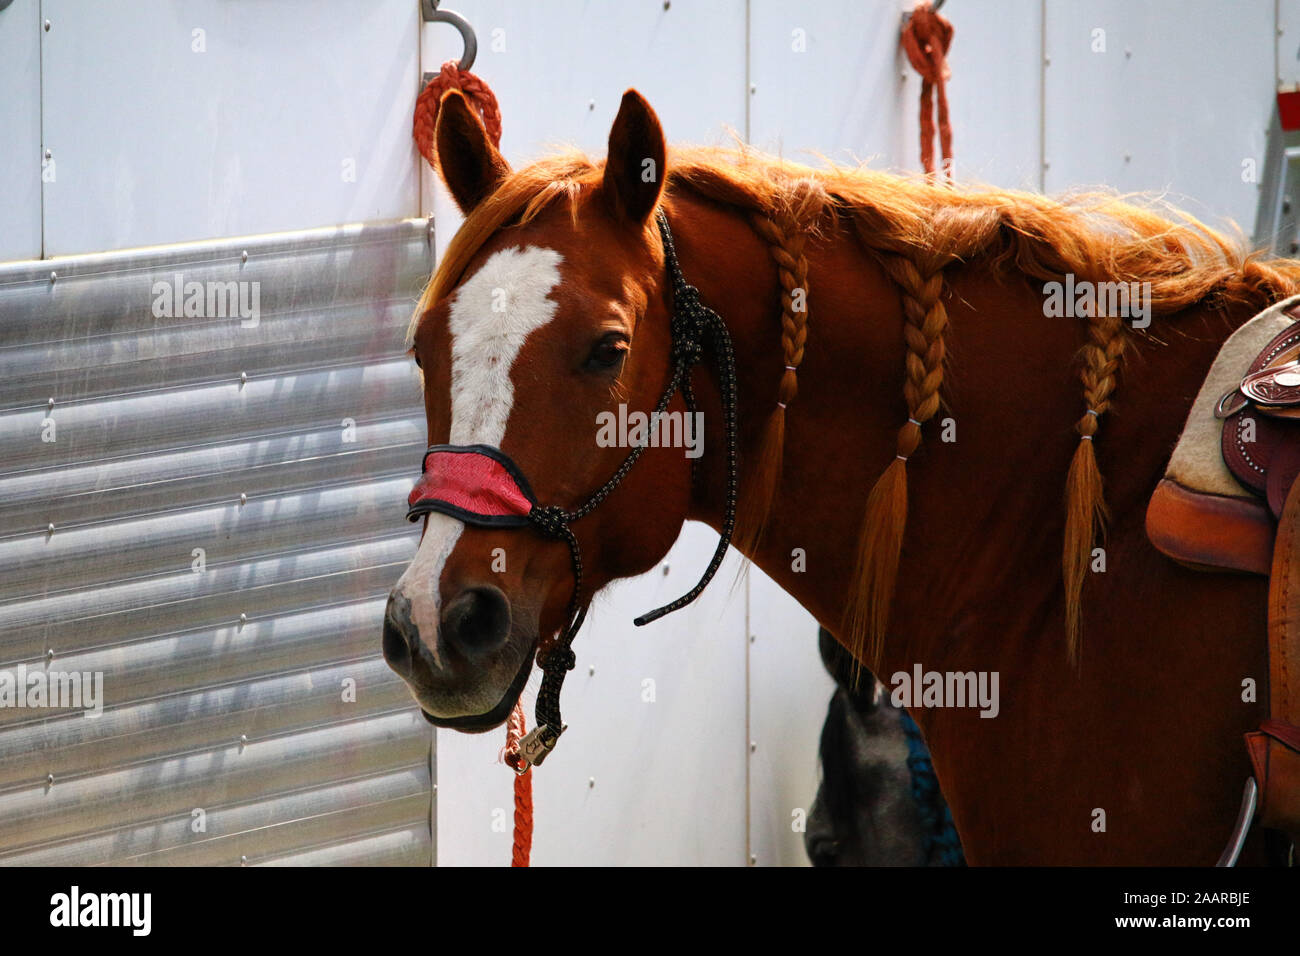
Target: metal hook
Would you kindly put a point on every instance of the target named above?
(430, 13)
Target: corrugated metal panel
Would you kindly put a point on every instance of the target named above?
(282, 450)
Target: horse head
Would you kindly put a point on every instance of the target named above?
(539, 320)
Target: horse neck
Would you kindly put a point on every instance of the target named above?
(986, 485)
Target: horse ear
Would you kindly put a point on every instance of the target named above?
(634, 168)
(470, 165)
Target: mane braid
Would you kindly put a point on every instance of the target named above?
(786, 231)
(916, 227)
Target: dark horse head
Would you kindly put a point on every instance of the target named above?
(864, 813)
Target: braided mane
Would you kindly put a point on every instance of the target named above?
(915, 228)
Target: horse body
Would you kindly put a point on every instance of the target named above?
(1148, 727)
(1131, 755)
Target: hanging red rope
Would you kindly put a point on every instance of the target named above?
(926, 39)
(523, 842)
(452, 77)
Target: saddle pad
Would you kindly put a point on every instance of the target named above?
(1197, 462)
(1200, 514)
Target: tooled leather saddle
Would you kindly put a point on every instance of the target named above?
(1261, 447)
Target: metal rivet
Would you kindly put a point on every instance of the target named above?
(753, 746)
(49, 154)
(667, 4)
(54, 277)
(753, 638)
(49, 779)
(243, 619)
(753, 88)
(243, 741)
(50, 401)
(49, 528)
(243, 860)
(243, 256)
(591, 671)
(1128, 53)
(243, 499)
(1128, 157)
(591, 782)
(47, 26)
(49, 654)
(591, 104)
(1047, 61)
(753, 859)
(243, 378)
(665, 570)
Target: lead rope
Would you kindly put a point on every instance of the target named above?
(692, 324)
(452, 77)
(926, 38)
(523, 835)
(480, 95)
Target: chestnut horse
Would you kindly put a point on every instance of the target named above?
(856, 301)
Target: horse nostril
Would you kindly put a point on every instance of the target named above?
(397, 634)
(477, 621)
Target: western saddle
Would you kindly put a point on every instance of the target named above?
(1230, 501)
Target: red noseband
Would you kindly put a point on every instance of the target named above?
(477, 484)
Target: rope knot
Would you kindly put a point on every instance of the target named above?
(452, 77)
(559, 658)
(550, 520)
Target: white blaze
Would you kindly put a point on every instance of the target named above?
(492, 315)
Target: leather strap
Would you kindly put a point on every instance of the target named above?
(1275, 747)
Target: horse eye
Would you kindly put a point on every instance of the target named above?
(608, 352)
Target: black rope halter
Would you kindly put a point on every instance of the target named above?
(694, 327)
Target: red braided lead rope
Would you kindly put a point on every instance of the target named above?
(452, 77)
(926, 39)
(523, 842)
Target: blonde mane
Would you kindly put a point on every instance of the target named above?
(916, 228)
